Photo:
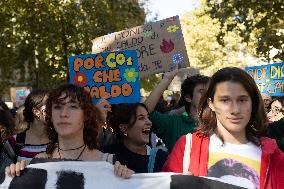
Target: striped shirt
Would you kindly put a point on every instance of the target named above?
(28, 151)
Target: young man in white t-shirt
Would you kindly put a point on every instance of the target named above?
(228, 143)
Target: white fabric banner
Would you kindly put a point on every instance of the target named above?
(100, 175)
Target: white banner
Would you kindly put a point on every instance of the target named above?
(99, 175)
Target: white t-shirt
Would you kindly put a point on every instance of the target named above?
(234, 163)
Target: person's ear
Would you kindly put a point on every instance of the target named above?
(187, 98)
(36, 112)
(210, 104)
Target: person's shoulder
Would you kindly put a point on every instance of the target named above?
(42, 155)
(97, 155)
(186, 118)
(182, 140)
(113, 148)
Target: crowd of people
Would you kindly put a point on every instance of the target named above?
(223, 127)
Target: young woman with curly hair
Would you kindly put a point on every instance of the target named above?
(72, 126)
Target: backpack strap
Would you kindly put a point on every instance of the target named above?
(199, 154)
(186, 154)
(152, 159)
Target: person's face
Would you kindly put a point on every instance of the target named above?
(198, 91)
(68, 117)
(276, 111)
(139, 133)
(266, 100)
(232, 106)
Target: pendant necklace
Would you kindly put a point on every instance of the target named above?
(59, 149)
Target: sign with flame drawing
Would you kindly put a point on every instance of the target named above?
(159, 45)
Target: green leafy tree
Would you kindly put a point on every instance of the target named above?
(38, 36)
(201, 33)
(258, 21)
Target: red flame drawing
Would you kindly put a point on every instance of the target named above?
(167, 46)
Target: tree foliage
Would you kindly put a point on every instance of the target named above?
(201, 33)
(260, 21)
(37, 36)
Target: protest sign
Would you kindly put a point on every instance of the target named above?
(112, 75)
(269, 78)
(100, 175)
(19, 95)
(180, 77)
(160, 45)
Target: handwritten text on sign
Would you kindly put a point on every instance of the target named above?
(269, 78)
(160, 45)
(112, 75)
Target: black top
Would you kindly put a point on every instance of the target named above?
(136, 162)
(275, 130)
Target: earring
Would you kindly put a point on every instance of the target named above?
(253, 128)
(125, 134)
(51, 128)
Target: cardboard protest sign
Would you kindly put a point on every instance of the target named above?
(180, 77)
(159, 45)
(269, 78)
(19, 95)
(100, 175)
(112, 75)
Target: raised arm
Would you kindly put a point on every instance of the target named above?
(155, 95)
(104, 107)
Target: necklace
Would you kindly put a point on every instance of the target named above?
(70, 148)
(58, 150)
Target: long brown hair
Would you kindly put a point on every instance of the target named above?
(207, 118)
(92, 116)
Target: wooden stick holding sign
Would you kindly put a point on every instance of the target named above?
(112, 75)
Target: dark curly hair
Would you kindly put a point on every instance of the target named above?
(36, 99)
(207, 118)
(4, 106)
(7, 122)
(187, 88)
(124, 114)
(92, 118)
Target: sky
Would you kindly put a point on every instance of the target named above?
(168, 8)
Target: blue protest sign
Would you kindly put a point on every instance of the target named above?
(269, 78)
(112, 75)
